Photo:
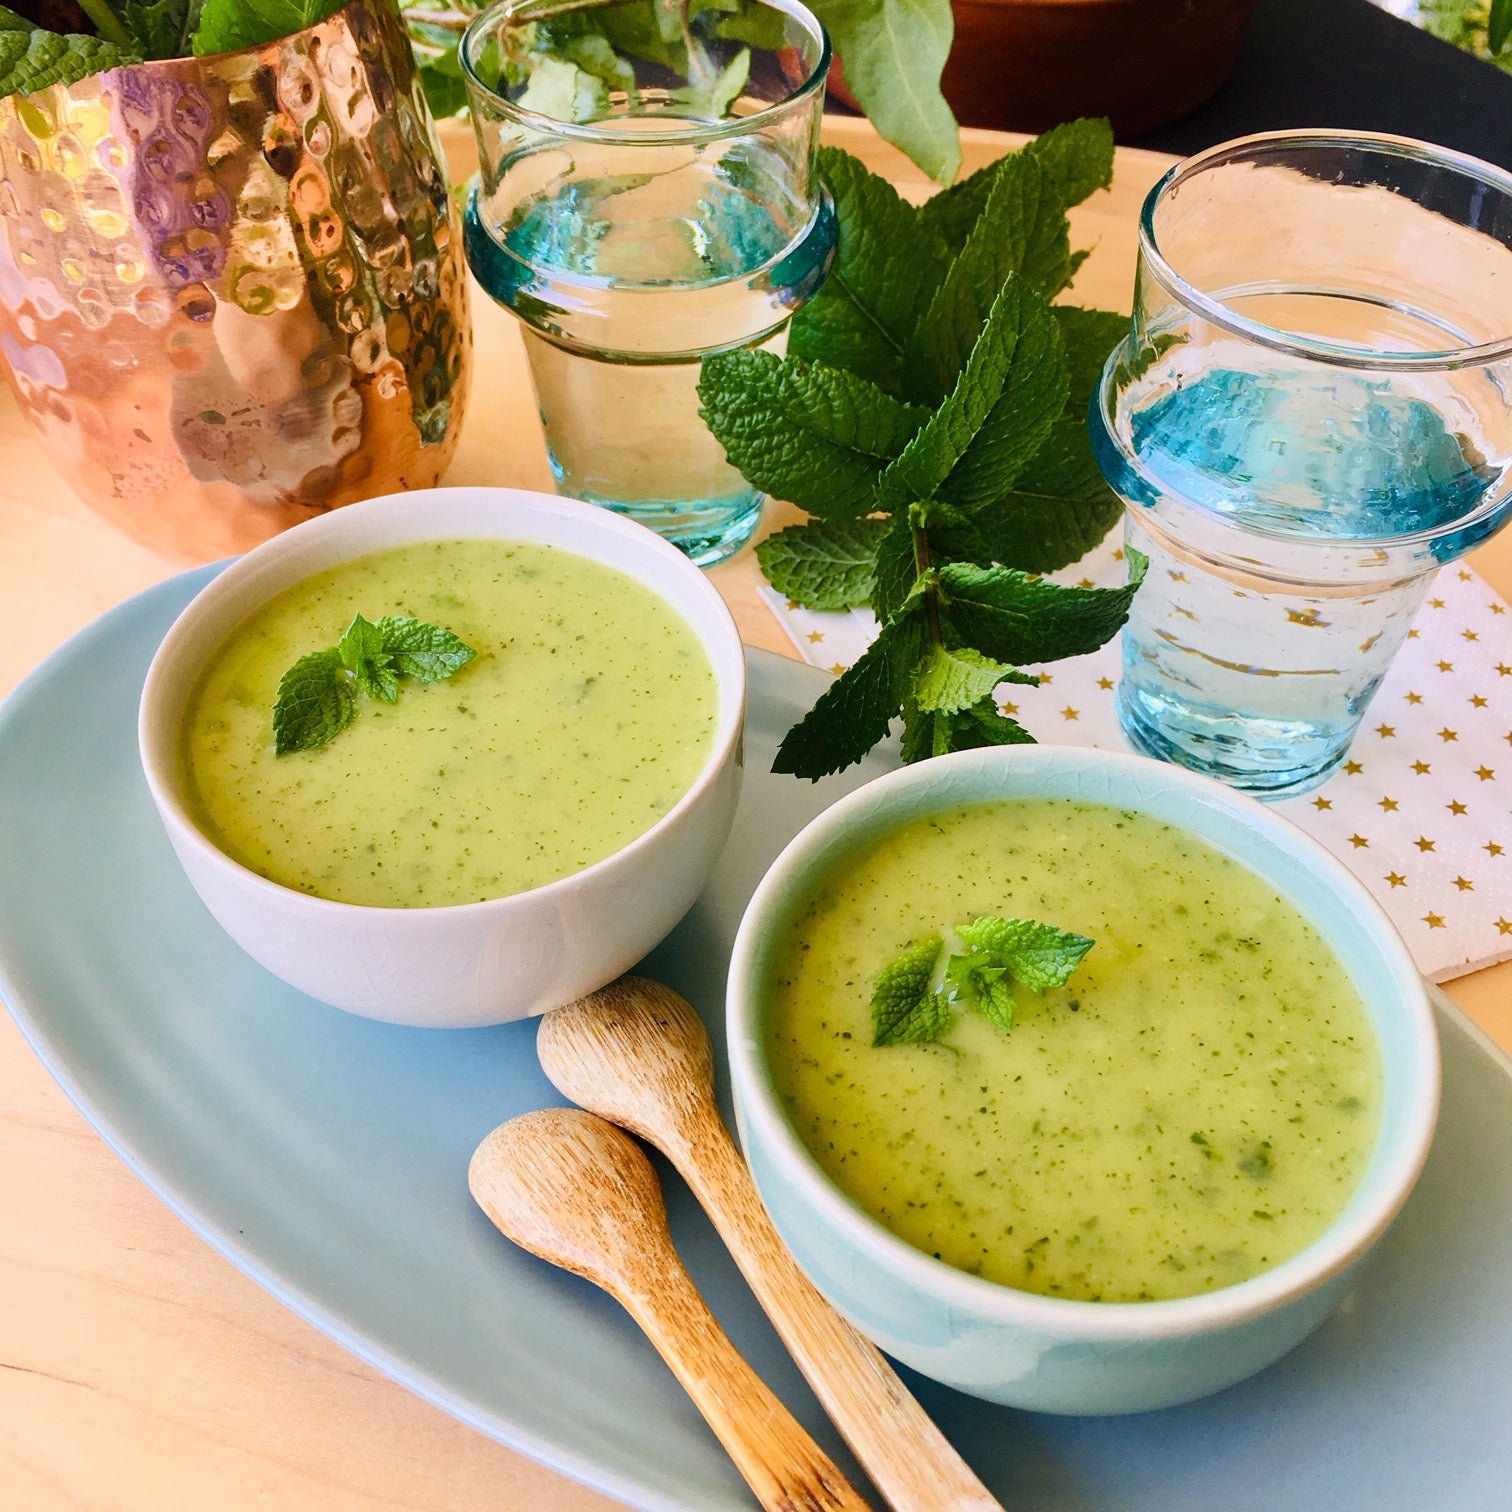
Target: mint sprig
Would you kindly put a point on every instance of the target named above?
(916, 993)
(317, 696)
(931, 416)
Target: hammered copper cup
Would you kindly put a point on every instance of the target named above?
(232, 291)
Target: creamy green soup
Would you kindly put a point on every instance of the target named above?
(1196, 1105)
(588, 712)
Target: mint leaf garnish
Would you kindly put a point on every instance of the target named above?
(906, 1007)
(317, 696)
(917, 992)
(430, 653)
(827, 564)
(316, 702)
(1038, 955)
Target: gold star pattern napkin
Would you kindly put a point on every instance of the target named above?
(1421, 811)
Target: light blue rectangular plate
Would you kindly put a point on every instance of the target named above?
(327, 1156)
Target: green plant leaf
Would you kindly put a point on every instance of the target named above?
(1038, 955)
(1015, 618)
(1060, 508)
(1077, 158)
(426, 652)
(896, 569)
(227, 25)
(31, 58)
(950, 680)
(1002, 407)
(854, 712)
(316, 701)
(164, 29)
(906, 1009)
(1498, 26)
(984, 988)
(1020, 231)
(825, 565)
(816, 436)
(880, 283)
(893, 52)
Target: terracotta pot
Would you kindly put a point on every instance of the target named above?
(1024, 65)
(232, 292)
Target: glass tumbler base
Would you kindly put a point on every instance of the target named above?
(1265, 758)
(706, 531)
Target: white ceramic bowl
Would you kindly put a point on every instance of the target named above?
(472, 963)
(1047, 1353)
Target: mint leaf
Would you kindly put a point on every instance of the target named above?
(854, 712)
(1060, 508)
(315, 703)
(906, 1008)
(826, 565)
(1038, 955)
(896, 569)
(361, 643)
(427, 652)
(914, 999)
(893, 52)
(997, 247)
(32, 58)
(317, 696)
(1002, 406)
(937, 732)
(164, 29)
(227, 25)
(1015, 618)
(817, 436)
(1077, 158)
(984, 988)
(951, 680)
(880, 283)
(1089, 337)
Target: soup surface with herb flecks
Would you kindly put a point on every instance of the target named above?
(587, 713)
(1194, 1106)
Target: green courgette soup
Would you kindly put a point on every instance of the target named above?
(587, 713)
(1194, 1106)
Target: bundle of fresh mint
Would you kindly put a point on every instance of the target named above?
(931, 415)
(134, 31)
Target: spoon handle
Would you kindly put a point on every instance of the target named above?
(783, 1466)
(911, 1462)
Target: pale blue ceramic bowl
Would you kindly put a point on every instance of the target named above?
(1045, 1353)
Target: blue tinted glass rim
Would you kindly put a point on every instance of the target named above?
(736, 126)
(1309, 348)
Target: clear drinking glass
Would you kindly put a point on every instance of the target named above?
(647, 195)
(1310, 415)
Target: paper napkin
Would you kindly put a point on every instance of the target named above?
(1421, 811)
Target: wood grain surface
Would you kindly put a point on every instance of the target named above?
(139, 1371)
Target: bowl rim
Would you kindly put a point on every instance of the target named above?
(764, 1122)
(275, 557)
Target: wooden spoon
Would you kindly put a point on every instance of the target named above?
(576, 1191)
(637, 1053)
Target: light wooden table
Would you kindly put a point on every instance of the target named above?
(139, 1371)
